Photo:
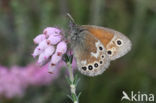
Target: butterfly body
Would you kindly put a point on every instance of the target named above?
(94, 47)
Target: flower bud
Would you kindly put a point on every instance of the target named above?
(39, 38)
(41, 59)
(51, 68)
(51, 31)
(36, 52)
(55, 59)
(49, 51)
(53, 40)
(61, 47)
(43, 45)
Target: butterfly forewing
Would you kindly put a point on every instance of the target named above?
(116, 43)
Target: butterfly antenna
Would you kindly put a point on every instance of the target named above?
(71, 18)
(71, 21)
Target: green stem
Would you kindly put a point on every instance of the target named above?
(71, 76)
(72, 85)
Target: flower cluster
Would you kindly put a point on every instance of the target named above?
(50, 47)
(15, 80)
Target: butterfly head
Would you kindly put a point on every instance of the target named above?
(77, 33)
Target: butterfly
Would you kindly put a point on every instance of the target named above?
(95, 47)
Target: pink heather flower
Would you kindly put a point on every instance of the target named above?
(54, 60)
(40, 48)
(51, 31)
(49, 51)
(36, 52)
(10, 83)
(41, 59)
(39, 38)
(43, 45)
(37, 76)
(53, 40)
(61, 47)
(51, 48)
(15, 80)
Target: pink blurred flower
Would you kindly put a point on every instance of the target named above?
(39, 75)
(10, 83)
(51, 47)
(15, 80)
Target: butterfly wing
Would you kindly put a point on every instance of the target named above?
(90, 54)
(116, 43)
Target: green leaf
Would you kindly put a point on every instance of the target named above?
(74, 96)
(78, 96)
(71, 59)
(76, 80)
(65, 58)
(70, 97)
(68, 80)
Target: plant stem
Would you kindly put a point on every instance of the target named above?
(71, 76)
(72, 85)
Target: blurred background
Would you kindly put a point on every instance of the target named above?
(22, 20)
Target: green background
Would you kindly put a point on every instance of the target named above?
(22, 20)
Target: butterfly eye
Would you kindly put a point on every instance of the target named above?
(119, 42)
(81, 30)
(75, 33)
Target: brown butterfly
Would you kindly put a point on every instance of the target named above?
(94, 47)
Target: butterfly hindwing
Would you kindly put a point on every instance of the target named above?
(91, 55)
(116, 43)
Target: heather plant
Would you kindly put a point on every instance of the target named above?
(15, 80)
(51, 49)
